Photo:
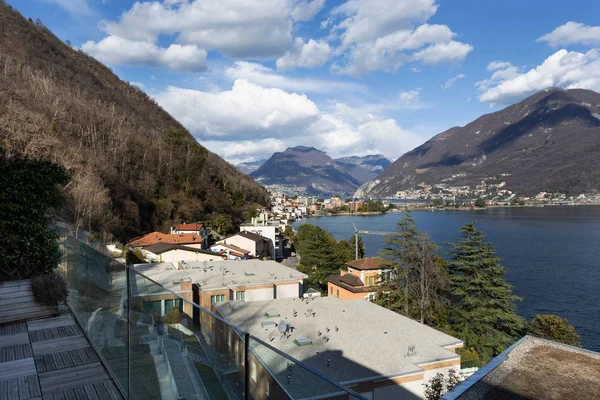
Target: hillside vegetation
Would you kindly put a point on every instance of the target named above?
(134, 168)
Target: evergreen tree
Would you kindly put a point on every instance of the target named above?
(361, 247)
(553, 327)
(483, 311)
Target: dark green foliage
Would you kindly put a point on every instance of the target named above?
(320, 254)
(372, 206)
(361, 247)
(553, 327)
(439, 385)
(49, 289)
(30, 191)
(480, 203)
(483, 306)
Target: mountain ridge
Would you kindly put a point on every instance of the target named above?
(307, 170)
(549, 141)
(134, 168)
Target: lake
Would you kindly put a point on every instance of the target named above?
(552, 253)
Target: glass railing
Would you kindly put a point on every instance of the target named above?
(160, 344)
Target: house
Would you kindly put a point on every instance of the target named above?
(166, 252)
(208, 282)
(198, 229)
(534, 368)
(258, 245)
(230, 251)
(358, 280)
(185, 239)
(367, 348)
(271, 231)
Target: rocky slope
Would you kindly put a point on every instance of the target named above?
(250, 166)
(134, 168)
(547, 142)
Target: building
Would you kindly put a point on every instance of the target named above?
(534, 368)
(344, 340)
(230, 252)
(257, 245)
(198, 229)
(185, 239)
(210, 282)
(358, 280)
(166, 252)
(272, 232)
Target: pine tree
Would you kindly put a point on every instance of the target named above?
(483, 311)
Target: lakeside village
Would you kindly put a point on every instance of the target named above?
(246, 278)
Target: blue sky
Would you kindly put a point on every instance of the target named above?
(251, 77)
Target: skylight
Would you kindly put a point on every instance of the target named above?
(271, 314)
(302, 341)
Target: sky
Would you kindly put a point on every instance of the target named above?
(251, 77)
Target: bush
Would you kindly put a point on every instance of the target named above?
(174, 317)
(480, 202)
(49, 289)
(553, 327)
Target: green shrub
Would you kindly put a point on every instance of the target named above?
(49, 289)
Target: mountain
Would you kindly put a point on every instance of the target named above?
(250, 166)
(364, 168)
(134, 168)
(305, 170)
(547, 142)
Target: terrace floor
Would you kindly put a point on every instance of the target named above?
(51, 359)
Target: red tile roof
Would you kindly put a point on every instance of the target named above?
(189, 227)
(369, 263)
(159, 237)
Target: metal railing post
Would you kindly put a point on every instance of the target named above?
(247, 366)
(128, 271)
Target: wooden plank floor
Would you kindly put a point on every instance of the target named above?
(51, 359)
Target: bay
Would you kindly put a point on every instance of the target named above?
(552, 253)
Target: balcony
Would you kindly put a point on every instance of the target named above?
(156, 344)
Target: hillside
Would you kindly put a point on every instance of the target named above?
(305, 170)
(547, 142)
(364, 168)
(134, 168)
(250, 166)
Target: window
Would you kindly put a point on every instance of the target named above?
(217, 298)
(371, 280)
(338, 293)
(152, 307)
(229, 338)
(332, 290)
(240, 295)
(253, 371)
(172, 304)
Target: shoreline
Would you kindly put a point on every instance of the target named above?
(422, 208)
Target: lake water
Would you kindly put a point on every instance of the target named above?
(552, 253)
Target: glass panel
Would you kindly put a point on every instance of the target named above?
(282, 377)
(97, 286)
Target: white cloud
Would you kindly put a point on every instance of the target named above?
(494, 65)
(265, 76)
(450, 82)
(573, 33)
(120, 51)
(237, 28)
(239, 128)
(247, 111)
(564, 69)
(386, 34)
(304, 55)
(306, 10)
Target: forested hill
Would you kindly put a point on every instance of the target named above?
(134, 168)
(548, 142)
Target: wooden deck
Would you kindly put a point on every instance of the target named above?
(51, 359)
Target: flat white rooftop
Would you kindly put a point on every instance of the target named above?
(351, 340)
(212, 275)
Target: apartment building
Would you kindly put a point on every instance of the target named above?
(344, 340)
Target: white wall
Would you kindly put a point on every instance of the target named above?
(259, 294)
(242, 242)
(406, 391)
(182, 255)
(288, 291)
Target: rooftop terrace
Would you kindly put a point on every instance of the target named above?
(535, 368)
(50, 358)
(210, 274)
(347, 336)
